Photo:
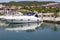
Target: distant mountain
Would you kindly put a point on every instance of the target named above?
(24, 3)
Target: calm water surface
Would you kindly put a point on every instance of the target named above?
(47, 31)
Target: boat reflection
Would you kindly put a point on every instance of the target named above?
(25, 26)
(30, 27)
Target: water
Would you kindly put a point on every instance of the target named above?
(46, 31)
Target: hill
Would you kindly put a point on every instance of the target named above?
(24, 3)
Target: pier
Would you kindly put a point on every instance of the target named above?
(48, 17)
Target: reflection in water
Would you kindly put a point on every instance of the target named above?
(50, 26)
(30, 26)
(23, 26)
(55, 28)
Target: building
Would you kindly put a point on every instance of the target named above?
(52, 5)
(1, 6)
(46, 14)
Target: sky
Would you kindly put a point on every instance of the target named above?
(27, 0)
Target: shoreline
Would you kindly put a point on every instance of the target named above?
(58, 22)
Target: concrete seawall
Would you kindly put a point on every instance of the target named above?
(51, 19)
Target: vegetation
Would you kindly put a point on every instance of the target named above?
(24, 3)
(46, 10)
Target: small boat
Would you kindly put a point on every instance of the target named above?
(20, 18)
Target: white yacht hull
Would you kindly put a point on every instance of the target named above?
(18, 21)
(21, 19)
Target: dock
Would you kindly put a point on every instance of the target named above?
(49, 17)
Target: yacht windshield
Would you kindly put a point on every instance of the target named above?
(31, 14)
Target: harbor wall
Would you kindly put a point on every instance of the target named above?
(51, 19)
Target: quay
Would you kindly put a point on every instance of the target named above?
(49, 17)
(51, 20)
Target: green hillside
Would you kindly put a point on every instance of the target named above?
(24, 3)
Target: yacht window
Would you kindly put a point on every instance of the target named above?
(21, 19)
(28, 19)
(30, 13)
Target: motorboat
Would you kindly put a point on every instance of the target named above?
(20, 18)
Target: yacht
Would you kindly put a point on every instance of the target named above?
(18, 17)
